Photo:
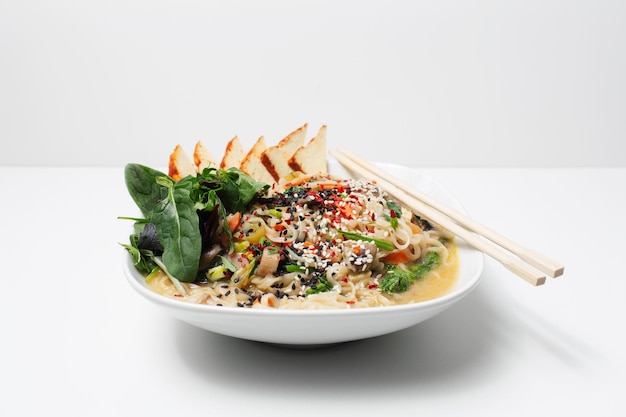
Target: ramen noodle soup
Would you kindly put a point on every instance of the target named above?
(320, 242)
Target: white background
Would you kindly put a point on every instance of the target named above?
(420, 83)
(506, 103)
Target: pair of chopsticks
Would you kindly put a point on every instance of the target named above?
(526, 263)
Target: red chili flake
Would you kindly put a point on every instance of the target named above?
(393, 214)
(344, 279)
(350, 302)
(178, 295)
(372, 286)
(316, 196)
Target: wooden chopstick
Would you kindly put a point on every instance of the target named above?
(523, 262)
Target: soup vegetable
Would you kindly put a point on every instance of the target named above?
(222, 238)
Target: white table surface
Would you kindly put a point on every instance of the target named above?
(78, 340)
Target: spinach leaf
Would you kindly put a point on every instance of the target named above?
(177, 227)
(141, 182)
(432, 261)
(238, 189)
(399, 279)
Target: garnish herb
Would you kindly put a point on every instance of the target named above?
(395, 207)
(399, 278)
(395, 211)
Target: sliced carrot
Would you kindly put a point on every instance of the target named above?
(396, 257)
(233, 221)
(346, 211)
(331, 186)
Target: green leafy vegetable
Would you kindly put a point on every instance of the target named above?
(177, 227)
(432, 261)
(399, 279)
(170, 236)
(143, 187)
(231, 187)
(142, 259)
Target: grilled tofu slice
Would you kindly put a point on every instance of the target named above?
(276, 158)
(311, 158)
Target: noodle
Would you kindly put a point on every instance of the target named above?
(321, 242)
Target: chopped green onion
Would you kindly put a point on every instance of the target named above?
(297, 268)
(382, 244)
(275, 213)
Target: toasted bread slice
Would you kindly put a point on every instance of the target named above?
(180, 166)
(252, 164)
(234, 154)
(311, 158)
(202, 158)
(275, 158)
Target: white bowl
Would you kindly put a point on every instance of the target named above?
(321, 327)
